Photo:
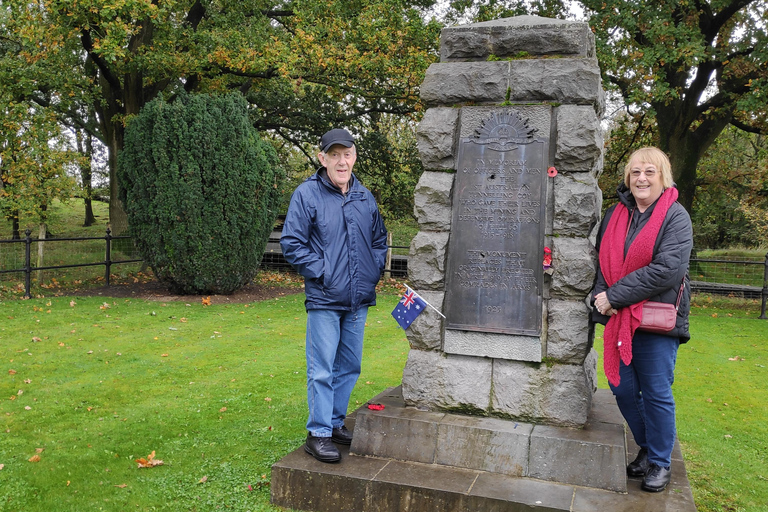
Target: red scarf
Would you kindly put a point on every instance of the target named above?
(621, 327)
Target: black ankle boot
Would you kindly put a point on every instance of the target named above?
(657, 479)
(639, 466)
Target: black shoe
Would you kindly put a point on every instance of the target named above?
(657, 479)
(639, 466)
(341, 435)
(322, 449)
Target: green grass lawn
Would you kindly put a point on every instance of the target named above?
(217, 392)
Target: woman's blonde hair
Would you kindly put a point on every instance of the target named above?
(653, 156)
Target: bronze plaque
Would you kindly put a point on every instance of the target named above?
(494, 271)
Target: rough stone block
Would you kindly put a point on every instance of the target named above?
(574, 264)
(568, 339)
(460, 82)
(432, 201)
(435, 137)
(600, 448)
(567, 80)
(508, 37)
(493, 345)
(487, 444)
(425, 333)
(446, 382)
(579, 138)
(576, 204)
(426, 263)
(553, 395)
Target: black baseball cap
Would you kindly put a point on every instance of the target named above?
(336, 136)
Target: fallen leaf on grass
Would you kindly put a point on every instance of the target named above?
(13, 397)
(39, 450)
(122, 486)
(35, 339)
(27, 381)
(28, 408)
(163, 355)
(72, 303)
(206, 301)
(2, 466)
(203, 480)
(223, 409)
(11, 372)
(150, 461)
(736, 358)
(34, 458)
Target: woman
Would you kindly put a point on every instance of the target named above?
(644, 247)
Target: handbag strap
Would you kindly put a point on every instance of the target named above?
(682, 284)
(680, 294)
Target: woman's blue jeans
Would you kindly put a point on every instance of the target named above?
(644, 395)
(334, 356)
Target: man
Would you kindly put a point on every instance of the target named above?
(335, 237)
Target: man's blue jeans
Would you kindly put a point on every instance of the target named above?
(644, 395)
(334, 356)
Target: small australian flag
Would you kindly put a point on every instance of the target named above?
(409, 307)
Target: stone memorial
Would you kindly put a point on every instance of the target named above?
(519, 138)
(498, 408)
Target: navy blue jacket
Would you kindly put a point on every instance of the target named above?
(661, 280)
(337, 241)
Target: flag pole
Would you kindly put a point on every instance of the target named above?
(425, 301)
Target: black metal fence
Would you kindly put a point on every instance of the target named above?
(738, 278)
(27, 269)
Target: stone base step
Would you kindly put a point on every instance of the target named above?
(381, 484)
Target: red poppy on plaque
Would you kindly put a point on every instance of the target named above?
(552, 172)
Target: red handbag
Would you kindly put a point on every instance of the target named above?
(660, 317)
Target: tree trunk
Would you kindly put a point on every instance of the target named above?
(40, 251)
(15, 233)
(85, 147)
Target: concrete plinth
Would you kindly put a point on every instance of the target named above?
(403, 459)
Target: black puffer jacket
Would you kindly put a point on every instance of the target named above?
(660, 280)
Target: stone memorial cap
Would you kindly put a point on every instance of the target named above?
(336, 136)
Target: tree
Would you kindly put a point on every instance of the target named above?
(731, 207)
(33, 163)
(486, 10)
(304, 65)
(201, 190)
(694, 67)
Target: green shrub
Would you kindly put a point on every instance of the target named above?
(200, 188)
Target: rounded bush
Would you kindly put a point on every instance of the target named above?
(200, 189)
